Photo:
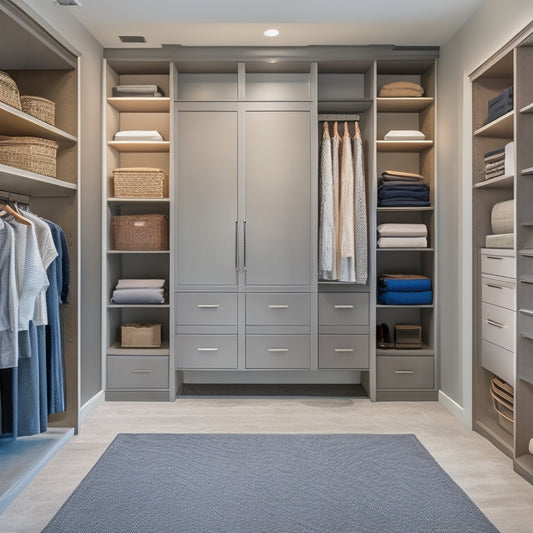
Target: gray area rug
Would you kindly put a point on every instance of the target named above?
(268, 483)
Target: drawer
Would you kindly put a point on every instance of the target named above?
(404, 372)
(206, 309)
(278, 309)
(498, 325)
(137, 372)
(343, 351)
(277, 351)
(343, 309)
(206, 351)
(498, 264)
(498, 291)
(498, 360)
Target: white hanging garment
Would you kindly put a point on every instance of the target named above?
(335, 150)
(326, 237)
(361, 232)
(346, 213)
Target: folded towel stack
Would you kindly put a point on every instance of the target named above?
(502, 225)
(404, 289)
(137, 90)
(501, 104)
(404, 135)
(398, 89)
(494, 163)
(402, 236)
(402, 189)
(138, 135)
(139, 291)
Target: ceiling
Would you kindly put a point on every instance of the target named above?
(300, 22)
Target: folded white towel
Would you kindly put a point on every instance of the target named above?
(404, 135)
(402, 230)
(402, 242)
(138, 135)
(140, 284)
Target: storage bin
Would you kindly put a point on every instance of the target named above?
(9, 93)
(502, 395)
(140, 335)
(408, 336)
(29, 153)
(39, 107)
(140, 232)
(140, 182)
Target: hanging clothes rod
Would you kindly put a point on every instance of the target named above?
(16, 197)
(337, 117)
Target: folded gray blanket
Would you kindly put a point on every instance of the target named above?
(140, 284)
(138, 296)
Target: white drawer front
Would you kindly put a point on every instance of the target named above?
(211, 309)
(206, 351)
(278, 309)
(499, 361)
(498, 325)
(343, 309)
(498, 291)
(137, 372)
(277, 351)
(498, 265)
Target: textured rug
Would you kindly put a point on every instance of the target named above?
(268, 483)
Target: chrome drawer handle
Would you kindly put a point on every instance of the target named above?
(404, 371)
(494, 257)
(344, 349)
(495, 324)
(278, 349)
(207, 349)
(494, 286)
(526, 281)
(344, 307)
(278, 306)
(141, 371)
(208, 306)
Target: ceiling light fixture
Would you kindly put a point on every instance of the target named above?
(132, 38)
(271, 33)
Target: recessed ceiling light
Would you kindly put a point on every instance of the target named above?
(132, 38)
(271, 33)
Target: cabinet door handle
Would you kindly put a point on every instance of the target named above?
(496, 258)
(273, 306)
(207, 349)
(527, 281)
(208, 306)
(338, 306)
(494, 286)
(244, 235)
(236, 245)
(404, 371)
(495, 324)
(344, 349)
(527, 337)
(278, 349)
(141, 371)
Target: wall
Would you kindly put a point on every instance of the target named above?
(490, 28)
(66, 29)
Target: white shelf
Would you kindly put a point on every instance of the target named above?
(21, 181)
(501, 182)
(116, 349)
(501, 127)
(130, 104)
(425, 350)
(118, 252)
(405, 249)
(138, 306)
(527, 171)
(403, 104)
(403, 146)
(17, 123)
(385, 306)
(359, 105)
(146, 146)
(114, 200)
(527, 109)
(407, 209)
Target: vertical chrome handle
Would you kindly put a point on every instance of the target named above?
(237, 245)
(244, 231)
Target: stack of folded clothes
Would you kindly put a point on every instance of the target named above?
(404, 135)
(503, 103)
(398, 89)
(402, 236)
(139, 291)
(502, 225)
(494, 163)
(137, 90)
(138, 135)
(402, 189)
(404, 289)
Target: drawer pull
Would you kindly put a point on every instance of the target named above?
(141, 371)
(344, 349)
(494, 257)
(495, 324)
(207, 349)
(527, 337)
(494, 286)
(527, 281)
(404, 371)
(278, 349)
(208, 306)
(278, 306)
(344, 307)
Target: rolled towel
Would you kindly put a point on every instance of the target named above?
(402, 230)
(402, 242)
(138, 296)
(140, 284)
(502, 217)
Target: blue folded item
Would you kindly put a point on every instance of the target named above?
(402, 201)
(405, 285)
(405, 298)
(420, 195)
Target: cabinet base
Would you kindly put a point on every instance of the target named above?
(407, 396)
(137, 396)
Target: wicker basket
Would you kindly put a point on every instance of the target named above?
(140, 232)
(40, 108)
(29, 153)
(140, 182)
(502, 395)
(9, 93)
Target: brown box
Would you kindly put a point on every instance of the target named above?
(140, 232)
(408, 336)
(141, 335)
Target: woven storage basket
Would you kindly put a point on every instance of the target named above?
(9, 93)
(140, 182)
(140, 232)
(40, 108)
(29, 153)
(502, 395)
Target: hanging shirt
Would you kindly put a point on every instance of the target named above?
(335, 148)
(360, 221)
(346, 212)
(326, 221)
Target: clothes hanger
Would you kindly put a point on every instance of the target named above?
(15, 214)
(325, 134)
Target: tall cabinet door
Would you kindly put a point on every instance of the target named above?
(206, 198)
(277, 198)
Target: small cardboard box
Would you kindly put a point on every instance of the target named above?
(408, 336)
(141, 335)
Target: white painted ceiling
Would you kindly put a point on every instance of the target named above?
(300, 22)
